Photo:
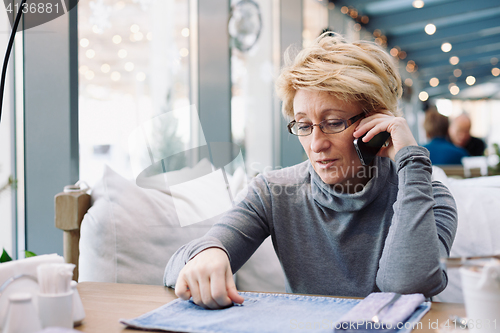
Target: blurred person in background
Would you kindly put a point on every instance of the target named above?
(441, 151)
(459, 133)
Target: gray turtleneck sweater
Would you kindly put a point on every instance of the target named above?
(387, 237)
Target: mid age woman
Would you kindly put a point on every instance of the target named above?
(338, 227)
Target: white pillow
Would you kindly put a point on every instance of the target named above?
(129, 233)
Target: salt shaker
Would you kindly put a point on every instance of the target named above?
(22, 316)
(78, 311)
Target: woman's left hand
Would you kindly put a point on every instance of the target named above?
(401, 135)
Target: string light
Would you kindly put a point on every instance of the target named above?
(430, 29)
(129, 66)
(454, 60)
(105, 68)
(434, 82)
(117, 39)
(89, 75)
(408, 82)
(83, 69)
(470, 80)
(84, 42)
(495, 71)
(122, 53)
(90, 53)
(446, 47)
(454, 90)
(134, 28)
(457, 72)
(423, 96)
(185, 32)
(418, 4)
(115, 76)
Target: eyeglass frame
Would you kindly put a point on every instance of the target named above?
(347, 124)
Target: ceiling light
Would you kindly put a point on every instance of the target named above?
(495, 71)
(423, 96)
(418, 4)
(454, 60)
(470, 80)
(454, 90)
(446, 47)
(430, 29)
(434, 82)
(457, 72)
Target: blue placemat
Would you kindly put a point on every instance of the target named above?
(261, 312)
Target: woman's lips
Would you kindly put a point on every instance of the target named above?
(325, 164)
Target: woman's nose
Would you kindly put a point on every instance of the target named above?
(319, 140)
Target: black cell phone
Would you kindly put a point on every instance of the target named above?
(368, 150)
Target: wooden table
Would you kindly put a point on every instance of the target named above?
(106, 303)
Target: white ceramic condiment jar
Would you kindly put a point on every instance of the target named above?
(22, 316)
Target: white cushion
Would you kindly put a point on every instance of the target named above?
(129, 233)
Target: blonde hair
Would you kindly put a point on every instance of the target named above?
(359, 72)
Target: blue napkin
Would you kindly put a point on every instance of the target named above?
(261, 312)
(392, 318)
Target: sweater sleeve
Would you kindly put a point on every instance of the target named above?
(239, 232)
(422, 229)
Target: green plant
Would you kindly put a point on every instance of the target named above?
(10, 182)
(5, 256)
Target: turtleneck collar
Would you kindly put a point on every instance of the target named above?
(326, 196)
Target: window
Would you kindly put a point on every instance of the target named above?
(133, 66)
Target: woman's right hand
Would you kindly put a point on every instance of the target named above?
(209, 280)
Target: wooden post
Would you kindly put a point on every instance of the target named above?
(70, 207)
